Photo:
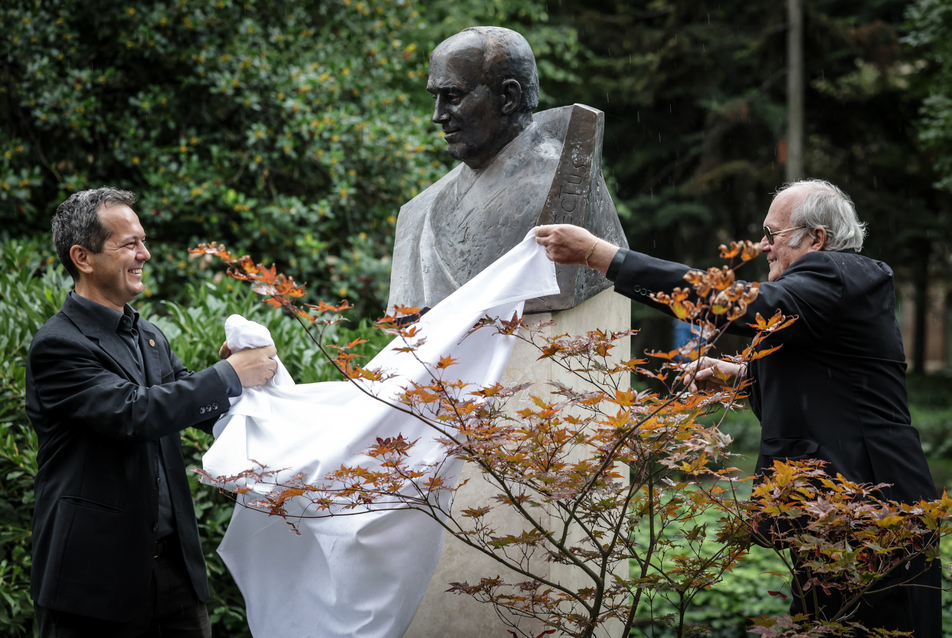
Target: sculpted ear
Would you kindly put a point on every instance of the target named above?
(511, 96)
(81, 258)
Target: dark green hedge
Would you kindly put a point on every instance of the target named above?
(31, 291)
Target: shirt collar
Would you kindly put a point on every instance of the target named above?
(105, 316)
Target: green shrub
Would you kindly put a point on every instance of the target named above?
(31, 291)
(292, 130)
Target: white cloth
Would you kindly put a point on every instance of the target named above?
(362, 575)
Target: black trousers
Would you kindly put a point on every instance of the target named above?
(908, 600)
(173, 611)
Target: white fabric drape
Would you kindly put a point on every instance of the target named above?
(363, 575)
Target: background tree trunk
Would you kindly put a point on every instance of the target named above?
(794, 90)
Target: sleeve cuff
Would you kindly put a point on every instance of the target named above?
(229, 377)
(617, 260)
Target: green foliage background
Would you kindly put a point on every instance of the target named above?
(30, 292)
(294, 130)
(256, 124)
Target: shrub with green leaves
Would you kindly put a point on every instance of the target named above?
(32, 289)
(288, 130)
(30, 292)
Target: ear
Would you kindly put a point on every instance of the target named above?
(819, 238)
(511, 96)
(82, 259)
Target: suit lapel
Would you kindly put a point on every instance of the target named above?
(107, 340)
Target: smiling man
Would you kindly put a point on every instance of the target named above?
(116, 550)
(836, 390)
(485, 87)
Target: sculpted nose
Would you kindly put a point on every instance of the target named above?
(439, 111)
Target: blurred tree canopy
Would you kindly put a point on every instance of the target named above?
(695, 103)
(930, 32)
(282, 129)
(294, 131)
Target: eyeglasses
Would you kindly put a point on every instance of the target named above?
(770, 234)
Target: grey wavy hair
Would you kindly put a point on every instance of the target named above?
(824, 204)
(76, 222)
(507, 55)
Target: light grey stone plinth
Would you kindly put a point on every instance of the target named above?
(443, 615)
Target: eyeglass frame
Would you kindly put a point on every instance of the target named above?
(771, 234)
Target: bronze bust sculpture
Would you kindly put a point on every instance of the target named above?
(517, 171)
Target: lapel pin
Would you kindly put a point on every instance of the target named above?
(152, 342)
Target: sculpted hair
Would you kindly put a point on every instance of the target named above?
(76, 222)
(824, 204)
(509, 56)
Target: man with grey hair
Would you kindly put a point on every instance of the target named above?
(824, 205)
(485, 86)
(835, 391)
(116, 550)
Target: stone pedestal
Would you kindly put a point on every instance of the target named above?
(442, 615)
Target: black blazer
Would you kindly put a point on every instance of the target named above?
(99, 431)
(836, 389)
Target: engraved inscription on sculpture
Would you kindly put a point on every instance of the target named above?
(571, 199)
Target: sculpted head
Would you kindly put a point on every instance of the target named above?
(485, 84)
(809, 215)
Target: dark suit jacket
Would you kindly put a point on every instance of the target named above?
(836, 390)
(99, 431)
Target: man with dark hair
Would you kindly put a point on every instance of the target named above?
(485, 86)
(835, 391)
(116, 550)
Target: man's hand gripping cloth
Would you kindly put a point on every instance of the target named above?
(361, 575)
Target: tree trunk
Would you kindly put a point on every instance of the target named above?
(794, 90)
(920, 280)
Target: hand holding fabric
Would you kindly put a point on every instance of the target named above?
(568, 245)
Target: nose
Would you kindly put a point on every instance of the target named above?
(764, 244)
(143, 255)
(439, 111)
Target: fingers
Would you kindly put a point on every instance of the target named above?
(224, 352)
(709, 374)
(565, 243)
(254, 366)
(268, 351)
